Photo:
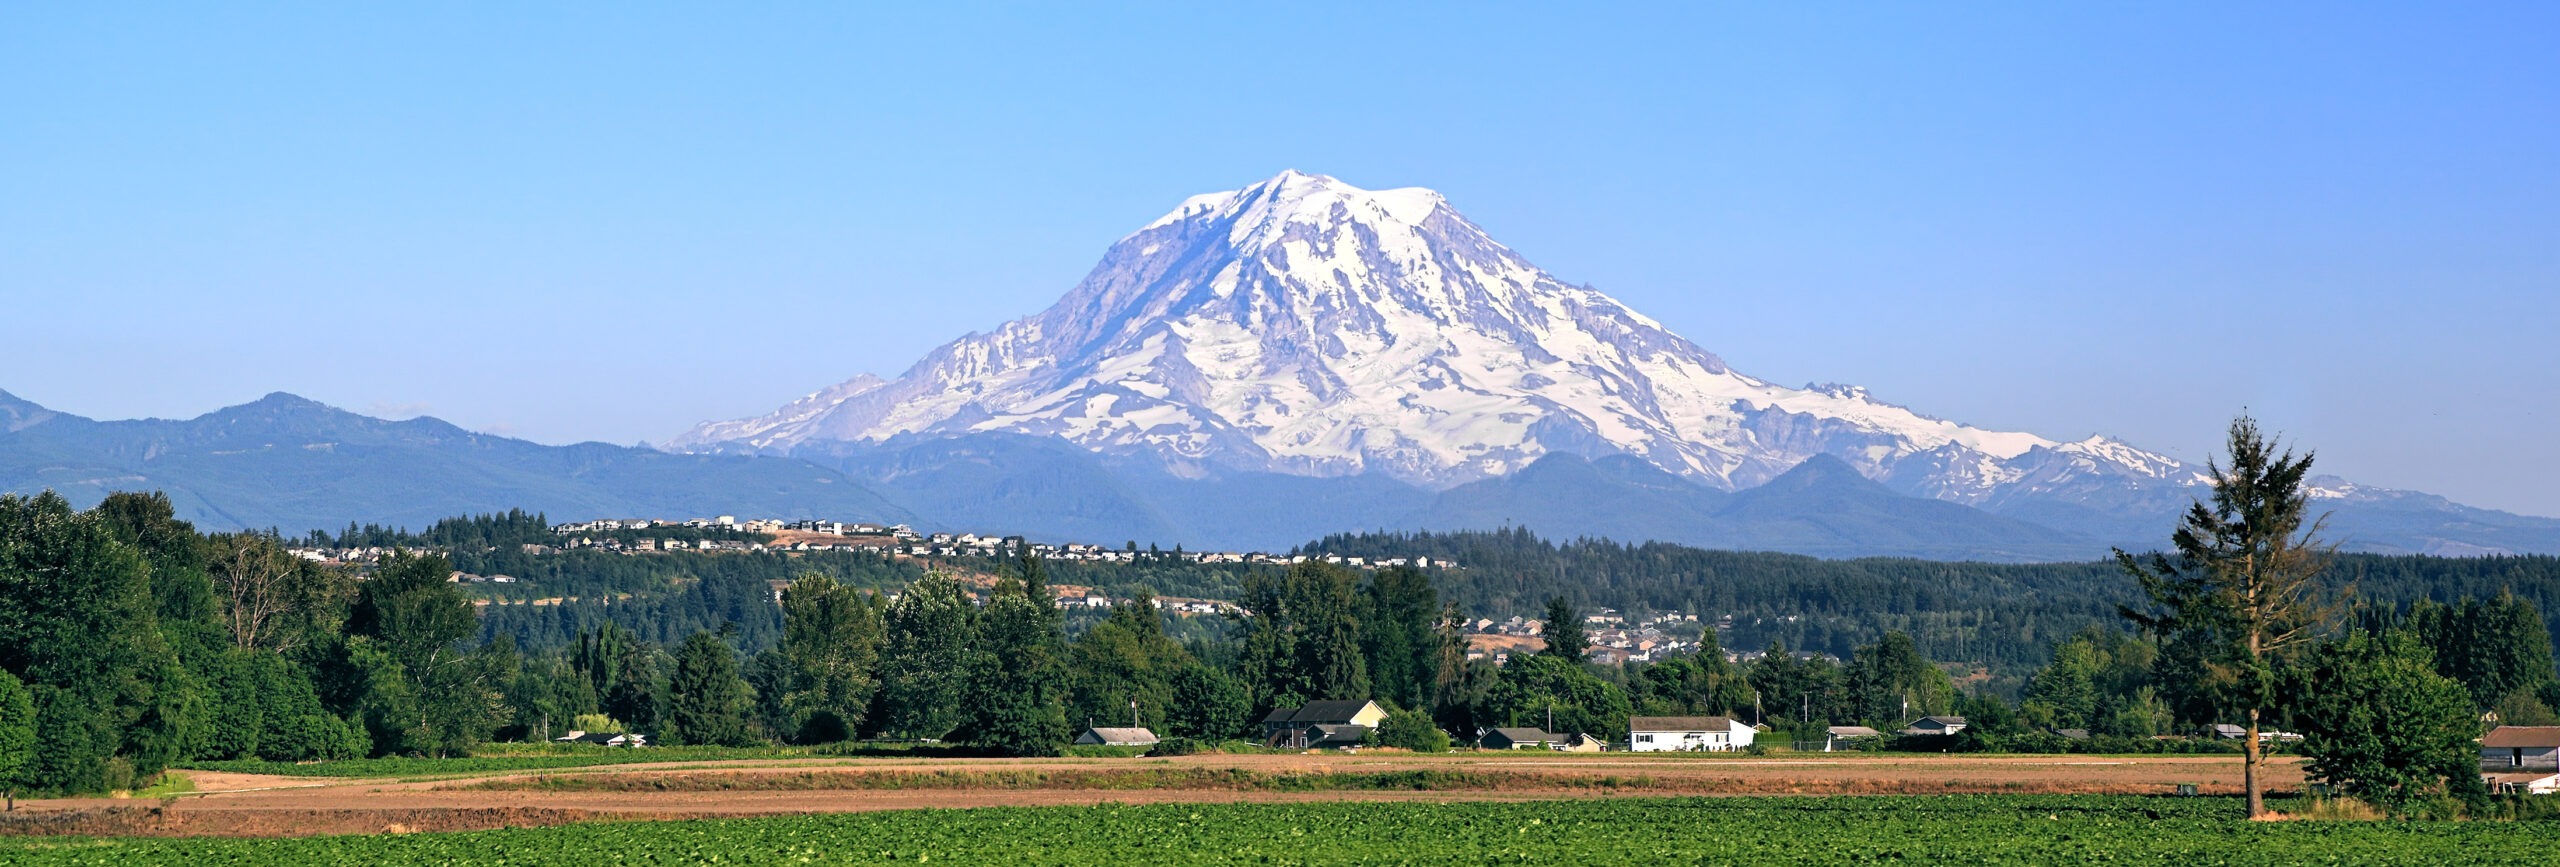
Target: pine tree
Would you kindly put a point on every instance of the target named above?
(1563, 631)
(1398, 634)
(2241, 596)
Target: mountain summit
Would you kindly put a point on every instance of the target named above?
(1303, 340)
(1305, 326)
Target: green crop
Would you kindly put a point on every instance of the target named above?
(1930, 830)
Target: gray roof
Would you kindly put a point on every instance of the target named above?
(1338, 711)
(1525, 735)
(1123, 736)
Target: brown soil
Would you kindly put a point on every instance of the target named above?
(251, 805)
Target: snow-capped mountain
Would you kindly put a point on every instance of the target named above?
(1305, 326)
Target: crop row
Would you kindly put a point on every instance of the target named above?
(1970, 829)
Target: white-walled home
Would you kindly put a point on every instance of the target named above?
(1652, 734)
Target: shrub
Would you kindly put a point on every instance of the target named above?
(1179, 746)
(1412, 730)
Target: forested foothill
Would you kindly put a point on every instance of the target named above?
(132, 644)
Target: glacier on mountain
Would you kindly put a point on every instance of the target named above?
(1305, 326)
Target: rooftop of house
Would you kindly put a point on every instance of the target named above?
(1335, 711)
(2507, 737)
(1124, 735)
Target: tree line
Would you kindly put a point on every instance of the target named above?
(129, 642)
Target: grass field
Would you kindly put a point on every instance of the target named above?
(1955, 829)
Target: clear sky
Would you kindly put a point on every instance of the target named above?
(609, 222)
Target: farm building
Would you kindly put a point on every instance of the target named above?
(1649, 734)
(1108, 736)
(1935, 725)
(1517, 739)
(2521, 748)
(1846, 737)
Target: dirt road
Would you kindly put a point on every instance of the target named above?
(250, 805)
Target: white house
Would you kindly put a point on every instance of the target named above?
(1653, 734)
(2521, 748)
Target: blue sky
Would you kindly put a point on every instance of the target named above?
(608, 222)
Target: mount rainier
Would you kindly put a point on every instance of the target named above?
(1301, 329)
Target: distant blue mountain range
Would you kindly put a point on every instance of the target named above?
(293, 464)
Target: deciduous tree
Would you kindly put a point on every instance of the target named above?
(924, 657)
(831, 637)
(2381, 724)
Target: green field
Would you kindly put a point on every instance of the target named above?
(1977, 829)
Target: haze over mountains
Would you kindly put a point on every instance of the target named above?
(1255, 369)
(296, 465)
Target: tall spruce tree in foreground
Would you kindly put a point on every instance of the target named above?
(2242, 593)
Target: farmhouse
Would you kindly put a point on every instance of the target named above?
(1108, 736)
(1322, 724)
(1517, 739)
(1649, 734)
(1935, 725)
(2521, 748)
(1581, 743)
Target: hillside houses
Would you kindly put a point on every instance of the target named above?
(1613, 640)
